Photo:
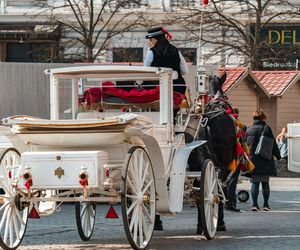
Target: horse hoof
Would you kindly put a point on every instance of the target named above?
(199, 230)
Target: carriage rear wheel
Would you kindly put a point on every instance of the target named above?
(85, 219)
(13, 213)
(138, 198)
(209, 199)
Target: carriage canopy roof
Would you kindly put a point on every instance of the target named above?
(109, 71)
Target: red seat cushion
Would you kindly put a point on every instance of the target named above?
(93, 95)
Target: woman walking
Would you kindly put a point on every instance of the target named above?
(263, 168)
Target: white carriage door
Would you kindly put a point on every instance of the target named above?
(294, 147)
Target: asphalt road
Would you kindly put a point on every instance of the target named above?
(277, 229)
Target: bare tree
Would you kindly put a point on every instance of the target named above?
(239, 28)
(88, 25)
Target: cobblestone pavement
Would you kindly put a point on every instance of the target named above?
(277, 229)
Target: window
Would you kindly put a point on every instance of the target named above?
(182, 3)
(189, 54)
(28, 52)
(128, 55)
(40, 3)
(136, 4)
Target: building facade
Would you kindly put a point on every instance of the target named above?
(27, 34)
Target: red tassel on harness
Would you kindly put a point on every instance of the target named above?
(228, 111)
(235, 116)
(168, 35)
(239, 149)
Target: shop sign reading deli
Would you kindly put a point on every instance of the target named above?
(280, 36)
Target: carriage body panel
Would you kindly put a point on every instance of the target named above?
(61, 169)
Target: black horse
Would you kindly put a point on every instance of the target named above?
(218, 129)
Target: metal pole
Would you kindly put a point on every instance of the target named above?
(200, 59)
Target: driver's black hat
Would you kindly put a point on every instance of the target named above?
(155, 32)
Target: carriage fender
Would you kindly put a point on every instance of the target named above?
(156, 158)
(178, 175)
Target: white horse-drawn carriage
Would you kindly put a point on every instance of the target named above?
(91, 154)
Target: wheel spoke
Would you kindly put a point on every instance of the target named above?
(84, 223)
(140, 167)
(4, 205)
(133, 204)
(146, 212)
(145, 228)
(11, 234)
(132, 187)
(20, 217)
(16, 226)
(3, 219)
(132, 197)
(147, 186)
(135, 168)
(141, 226)
(133, 218)
(135, 228)
(6, 226)
(83, 210)
(134, 180)
(145, 172)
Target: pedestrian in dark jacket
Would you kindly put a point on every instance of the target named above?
(263, 168)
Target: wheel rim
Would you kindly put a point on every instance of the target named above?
(13, 215)
(243, 196)
(85, 217)
(138, 199)
(209, 199)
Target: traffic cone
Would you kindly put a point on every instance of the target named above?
(111, 214)
(34, 214)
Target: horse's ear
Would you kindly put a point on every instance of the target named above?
(223, 78)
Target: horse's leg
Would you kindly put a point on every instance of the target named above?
(221, 223)
(199, 225)
(158, 223)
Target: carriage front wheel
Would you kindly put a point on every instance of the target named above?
(13, 212)
(85, 219)
(138, 198)
(209, 199)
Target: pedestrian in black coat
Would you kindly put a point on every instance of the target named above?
(263, 168)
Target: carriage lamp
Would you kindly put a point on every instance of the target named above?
(83, 178)
(107, 172)
(27, 176)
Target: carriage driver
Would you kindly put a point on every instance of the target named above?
(163, 54)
